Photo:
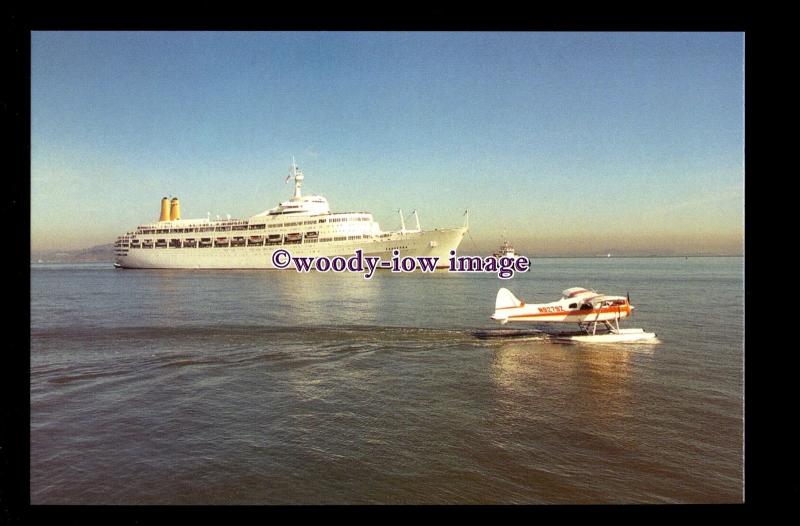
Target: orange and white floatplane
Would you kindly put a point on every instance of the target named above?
(585, 307)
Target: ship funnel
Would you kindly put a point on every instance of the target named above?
(175, 210)
(164, 209)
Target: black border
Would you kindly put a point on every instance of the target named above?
(15, 104)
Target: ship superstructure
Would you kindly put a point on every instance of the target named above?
(302, 225)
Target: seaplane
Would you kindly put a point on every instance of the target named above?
(585, 307)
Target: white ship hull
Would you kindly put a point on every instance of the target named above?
(432, 243)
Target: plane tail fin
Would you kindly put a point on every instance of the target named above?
(505, 300)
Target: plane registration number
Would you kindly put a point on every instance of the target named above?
(551, 309)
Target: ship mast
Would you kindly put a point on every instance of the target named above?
(298, 179)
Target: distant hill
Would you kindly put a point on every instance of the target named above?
(95, 254)
(105, 254)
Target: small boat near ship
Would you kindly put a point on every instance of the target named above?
(506, 250)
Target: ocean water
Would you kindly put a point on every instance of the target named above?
(269, 387)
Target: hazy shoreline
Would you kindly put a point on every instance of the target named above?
(61, 258)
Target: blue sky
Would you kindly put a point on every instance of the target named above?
(569, 142)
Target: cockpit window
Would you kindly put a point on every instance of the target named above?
(573, 305)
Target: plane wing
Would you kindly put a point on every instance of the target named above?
(603, 298)
(597, 300)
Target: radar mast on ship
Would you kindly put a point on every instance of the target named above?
(295, 172)
(299, 204)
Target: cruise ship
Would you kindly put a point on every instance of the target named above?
(302, 225)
